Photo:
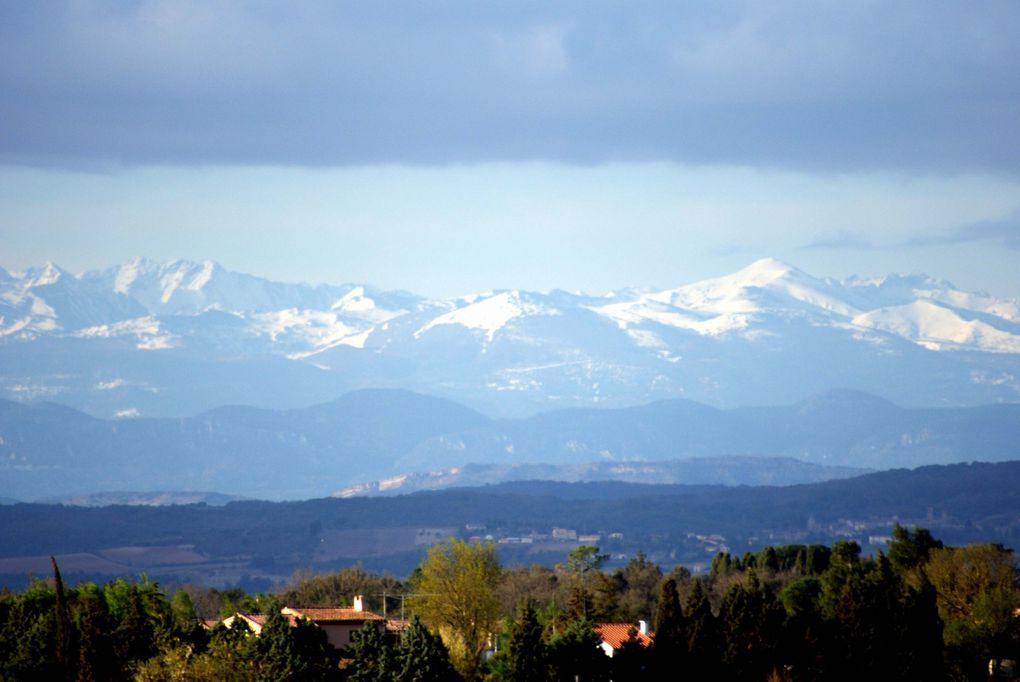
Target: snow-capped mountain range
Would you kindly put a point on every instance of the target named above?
(178, 337)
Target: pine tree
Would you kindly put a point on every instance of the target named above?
(631, 662)
(371, 657)
(422, 657)
(752, 624)
(702, 634)
(314, 658)
(576, 655)
(528, 657)
(275, 647)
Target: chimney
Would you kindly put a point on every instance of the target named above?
(642, 626)
(359, 605)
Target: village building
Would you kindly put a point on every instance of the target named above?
(615, 635)
(339, 623)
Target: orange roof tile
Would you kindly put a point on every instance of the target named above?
(260, 618)
(615, 634)
(318, 614)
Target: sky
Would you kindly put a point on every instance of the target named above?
(451, 147)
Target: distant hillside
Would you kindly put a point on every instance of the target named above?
(135, 499)
(48, 451)
(691, 472)
(672, 524)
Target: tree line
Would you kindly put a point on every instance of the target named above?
(919, 611)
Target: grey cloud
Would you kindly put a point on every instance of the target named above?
(916, 86)
(1005, 232)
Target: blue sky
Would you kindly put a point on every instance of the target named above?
(461, 146)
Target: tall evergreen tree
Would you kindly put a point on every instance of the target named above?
(752, 622)
(576, 654)
(133, 638)
(276, 648)
(910, 549)
(669, 652)
(632, 661)
(64, 631)
(96, 660)
(639, 583)
(922, 649)
(702, 634)
(422, 657)
(528, 657)
(371, 657)
(314, 658)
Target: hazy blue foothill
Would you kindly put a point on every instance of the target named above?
(369, 435)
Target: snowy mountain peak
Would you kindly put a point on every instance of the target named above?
(48, 274)
(763, 272)
(355, 299)
(766, 284)
(489, 313)
(765, 332)
(127, 274)
(937, 327)
(203, 276)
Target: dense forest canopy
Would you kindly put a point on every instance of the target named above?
(921, 611)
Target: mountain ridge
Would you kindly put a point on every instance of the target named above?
(363, 437)
(767, 333)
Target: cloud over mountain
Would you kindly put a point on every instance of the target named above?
(858, 86)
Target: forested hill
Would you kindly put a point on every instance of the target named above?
(964, 503)
(49, 450)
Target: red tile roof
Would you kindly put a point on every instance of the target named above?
(615, 634)
(256, 620)
(318, 614)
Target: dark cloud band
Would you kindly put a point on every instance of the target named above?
(910, 86)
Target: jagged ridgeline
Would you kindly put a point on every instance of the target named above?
(178, 338)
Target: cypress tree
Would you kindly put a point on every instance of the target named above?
(702, 634)
(62, 643)
(752, 622)
(670, 648)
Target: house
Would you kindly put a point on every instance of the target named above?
(339, 624)
(254, 621)
(615, 635)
